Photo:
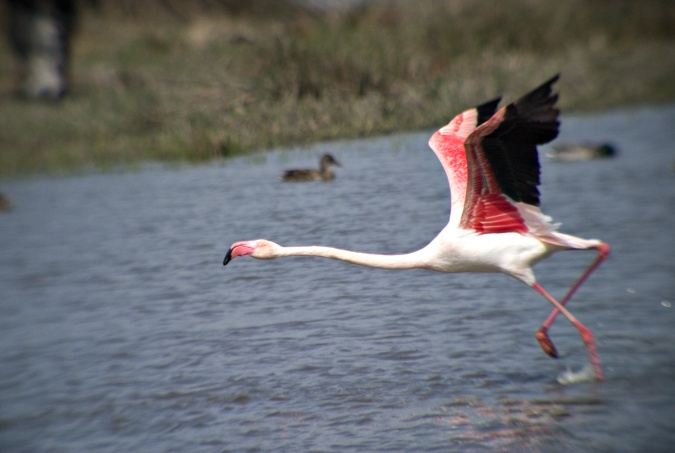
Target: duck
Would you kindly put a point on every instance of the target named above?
(581, 151)
(323, 174)
(5, 203)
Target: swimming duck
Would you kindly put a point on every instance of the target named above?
(581, 151)
(5, 202)
(323, 174)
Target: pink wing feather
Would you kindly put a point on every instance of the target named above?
(487, 209)
(491, 163)
(448, 145)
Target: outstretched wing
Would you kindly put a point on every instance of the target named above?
(448, 145)
(503, 165)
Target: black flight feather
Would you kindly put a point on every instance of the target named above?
(512, 148)
(486, 110)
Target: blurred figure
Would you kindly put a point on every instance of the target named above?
(39, 33)
(5, 203)
(581, 151)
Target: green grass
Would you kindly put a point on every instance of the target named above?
(206, 83)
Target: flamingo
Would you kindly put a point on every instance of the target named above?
(491, 162)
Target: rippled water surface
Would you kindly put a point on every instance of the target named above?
(120, 330)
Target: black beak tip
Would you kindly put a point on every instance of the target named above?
(228, 257)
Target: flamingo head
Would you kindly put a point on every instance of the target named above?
(260, 248)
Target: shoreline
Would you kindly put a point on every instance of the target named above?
(217, 86)
(278, 152)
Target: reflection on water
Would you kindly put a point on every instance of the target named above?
(121, 330)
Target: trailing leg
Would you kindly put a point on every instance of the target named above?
(542, 334)
(586, 334)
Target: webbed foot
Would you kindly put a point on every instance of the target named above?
(546, 343)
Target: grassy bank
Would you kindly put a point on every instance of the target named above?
(209, 83)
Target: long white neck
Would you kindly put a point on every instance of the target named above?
(393, 262)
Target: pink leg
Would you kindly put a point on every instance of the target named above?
(542, 334)
(586, 334)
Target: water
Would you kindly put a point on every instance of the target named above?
(121, 330)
